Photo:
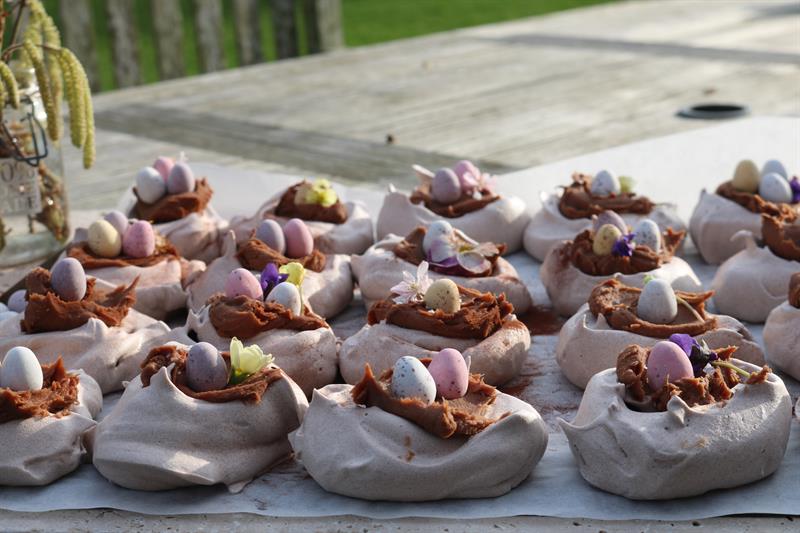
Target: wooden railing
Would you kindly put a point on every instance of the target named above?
(321, 19)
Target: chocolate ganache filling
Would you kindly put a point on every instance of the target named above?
(59, 392)
(782, 235)
(754, 202)
(618, 304)
(410, 250)
(794, 290)
(254, 254)
(46, 311)
(335, 214)
(466, 204)
(244, 317)
(579, 202)
(444, 418)
(174, 206)
(579, 252)
(249, 391)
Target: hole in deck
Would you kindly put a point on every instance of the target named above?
(714, 111)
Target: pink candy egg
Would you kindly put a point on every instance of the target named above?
(68, 279)
(164, 166)
(139, 240)
(241, 282)
(446, 187)
(299, 242)
(180, 179)
(667, 361)
(450, 373)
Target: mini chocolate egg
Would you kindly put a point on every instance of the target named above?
(3, 308)
(299, 241)
(774, 166)
(647, 233)
(450, 373)
(746, 177)
(410, 379)
(604, 239)
(443, 295)
(446, 187)
(21, 370)
(438, 228)
(270, 233)
(118, 220)
(180, 179)
(609, 217)
(775, 188)
(104, 239)
(164, 166)
(205, 368)
(657, 302)
(17, 301)
(464, 169)
(139, 240)
(667, 361)
(287, 295)
(242, 282)
(604, 183)
(68, 278)
(150, 185)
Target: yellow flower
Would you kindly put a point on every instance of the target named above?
(246, 361)
(320, 192)
(295, 271)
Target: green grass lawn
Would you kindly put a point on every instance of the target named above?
(364, 21)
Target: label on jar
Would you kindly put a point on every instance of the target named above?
(19, 188)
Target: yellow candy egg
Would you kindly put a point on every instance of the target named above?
(443, 295)
(605, 238)
(746, 177)
(104, 239)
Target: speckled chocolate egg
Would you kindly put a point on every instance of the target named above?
(410, 379)
(21, 370)
(604, 239)
(450, 373)
(648, 234)
(774, 166)
(104, 239)
(657, 302)
(775, 188)
(287, 295)
(17, 301)
(667, 362)
(180, 179)
(68, 279)
(118, 220)
(446, 187)
(242, 282)
(164, 166)
(609, 217)
(443, 295)
(139, 240)
(436, 229)
(270, 233)
(299, 242)
(746, 177)
(205, 368)
(605, 183)
(150, 185)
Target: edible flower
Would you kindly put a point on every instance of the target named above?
(295, 273)
(320, 192)
(794, 183)
(455, 251)
(624, 246)
(699, 355)
(246, 361)
(412, 288)
(626, 184)
(270, 277)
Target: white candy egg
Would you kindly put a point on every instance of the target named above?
(287, 295)
(435, 229)
(605, 183)
(150, 185)
(21, 370)
(775, 188)
(648, 234)
(774, 166)
(657, 302)
(410, 379)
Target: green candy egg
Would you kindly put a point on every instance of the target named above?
(443, 295)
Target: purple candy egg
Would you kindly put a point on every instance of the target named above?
(609, 217)
(242, 282)
(118, 220)
(68, 279)
(270, 233)
(205, 368)
(667, 361)
(446, 186)
(450, 372)
(164, 166)
(17, 301)
(139, 240)
(181, 179)
(299, 241)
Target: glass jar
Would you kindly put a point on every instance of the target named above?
(33, 202)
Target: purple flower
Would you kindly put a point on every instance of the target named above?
(795, 184)
(624, 245)
(686, 342)
(270, 277)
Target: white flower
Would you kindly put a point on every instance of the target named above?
(412, 288)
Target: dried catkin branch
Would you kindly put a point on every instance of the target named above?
(73, 84)
(88, 143)
(44, 89)
(10, 83)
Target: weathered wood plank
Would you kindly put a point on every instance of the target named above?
(285, 28)
(168, 26)
(123, 42)
(248, 31)
(76, 28)
(323, 25)
(208, 28)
